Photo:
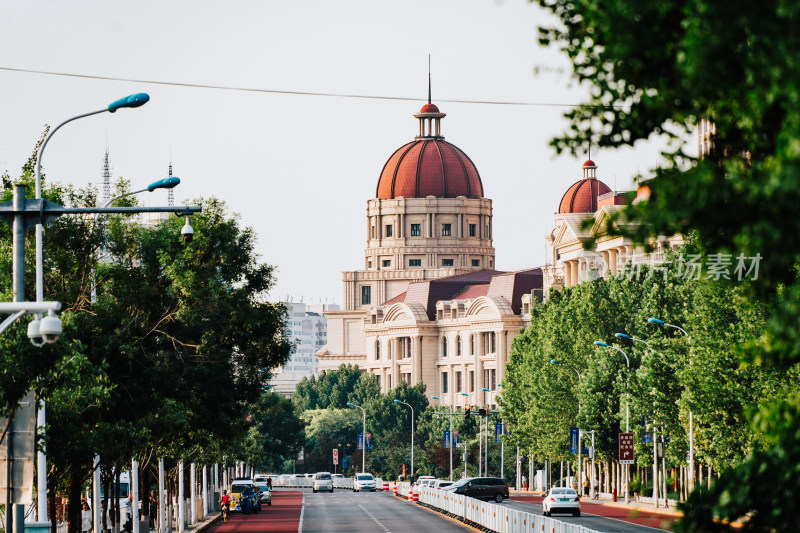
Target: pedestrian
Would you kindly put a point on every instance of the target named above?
(585, 487)
(86, 518)
(524, 483)
(153, 509)
(269, 482)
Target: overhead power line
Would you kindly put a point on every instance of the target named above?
(276, 91)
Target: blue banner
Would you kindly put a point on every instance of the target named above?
(369, 441)
(345, 461)
(360, 441)
(498, 430)
(573, 440)
(446, 438)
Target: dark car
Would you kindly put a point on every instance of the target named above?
(482, 488)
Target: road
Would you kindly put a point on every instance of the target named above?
(299, 510)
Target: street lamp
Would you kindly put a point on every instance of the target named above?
(412, 433)
(363, 435)
(580, 446)
(449, 444)
(486, 450)
(627, 406)
(659, 322)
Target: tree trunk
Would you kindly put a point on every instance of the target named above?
(74, 507)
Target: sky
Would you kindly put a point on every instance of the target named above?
(298, 168)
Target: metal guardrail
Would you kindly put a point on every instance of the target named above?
(492, 516)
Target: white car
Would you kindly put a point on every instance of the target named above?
(442, 483)
(364, 482)
(561, 500)
(322, 481)
(264, 494)
(425, 481)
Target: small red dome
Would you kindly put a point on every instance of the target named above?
(581, 197)
(589, 163)
(429, 108)
(429, 167)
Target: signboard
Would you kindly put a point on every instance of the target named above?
(498, 430)
(573, 440)
(647, 438)
(335, 456)
(446, 438)
(345, 461)
(626, 448)
(21, 436)
(360, 441)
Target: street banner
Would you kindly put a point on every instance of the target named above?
(446, 438)
(369, 441)
(360, 441)
(573, 440)
(626, 448)
(345, 460)
(335, 456)
(455, 438)
(498, 430)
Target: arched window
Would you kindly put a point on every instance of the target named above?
(444, 346)
(378, 350)
(458, 345)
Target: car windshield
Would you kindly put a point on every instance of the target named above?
(461, 482)
(364, 477)
(241, 488)
(262, 487)
(323, 476)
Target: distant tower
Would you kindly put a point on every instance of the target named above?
(170, 193)
(106, 180)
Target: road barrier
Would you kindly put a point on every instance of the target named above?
(492, 516)
(385, 485)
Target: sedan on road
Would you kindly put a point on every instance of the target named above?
(561, 500)
(364, 482)
(264, 494)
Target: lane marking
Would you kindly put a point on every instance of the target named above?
(374, 519)
(302, 510)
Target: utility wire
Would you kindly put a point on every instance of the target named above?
(300, 93)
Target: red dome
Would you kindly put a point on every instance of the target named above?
(429, 167)
(589, 163)
(582, 196)
(429, 108)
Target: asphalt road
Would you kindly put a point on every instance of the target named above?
(373, 512)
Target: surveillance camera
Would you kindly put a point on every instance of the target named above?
(187, 232)
(33, 333)
(50, 328)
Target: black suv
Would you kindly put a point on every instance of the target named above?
(482, 488)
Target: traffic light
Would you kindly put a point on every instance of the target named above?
(483, 412)
(466, 410)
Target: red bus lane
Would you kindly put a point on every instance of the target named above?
(634, 515)
(283, 516)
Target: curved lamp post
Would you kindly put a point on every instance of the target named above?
(449, 444)
(659, 322)
(134, 100)
(580, 446)
(363, 435)
(412, 433)
(627, 405)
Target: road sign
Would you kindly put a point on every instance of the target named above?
(626, 448)
(335, 456)
(573, 440)
(21, 435)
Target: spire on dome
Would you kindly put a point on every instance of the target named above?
(430, 116)
(170, 193)
(106, 180)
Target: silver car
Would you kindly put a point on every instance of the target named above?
(561, 500)
(364, 482)
(264, 494)
(322, 481)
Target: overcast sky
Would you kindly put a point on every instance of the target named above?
(299, 169)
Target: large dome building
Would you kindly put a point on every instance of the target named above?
(428, 305)
(429, 218)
